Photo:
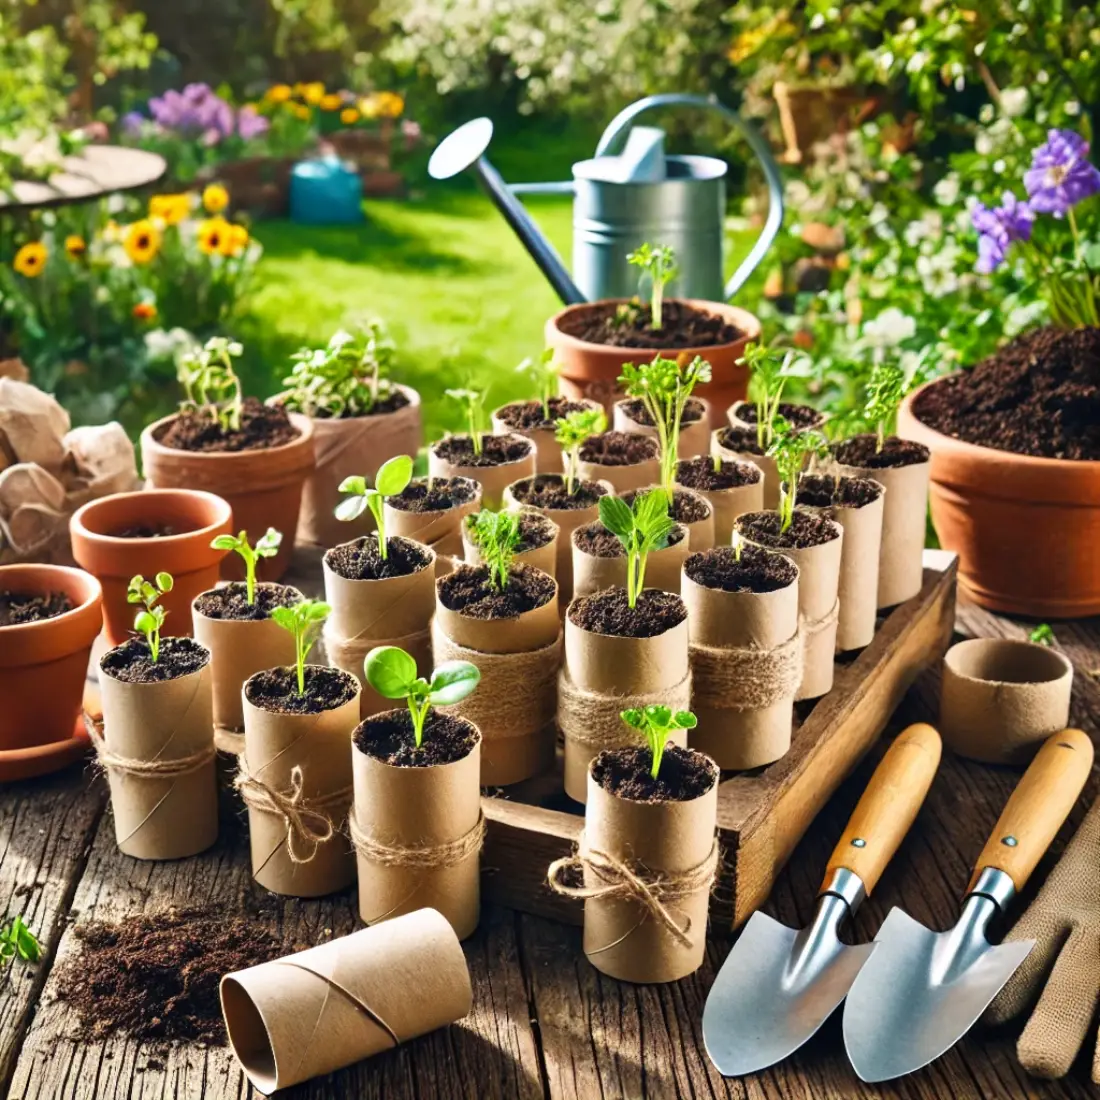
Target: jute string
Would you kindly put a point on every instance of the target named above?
(812, 627)
(349, 653)
(744, 678)
(655, 892)
(420, 857)
(148, 769)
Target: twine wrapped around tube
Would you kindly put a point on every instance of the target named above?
(746, 678)
(423, 857)
(146, 769)
(813, 627)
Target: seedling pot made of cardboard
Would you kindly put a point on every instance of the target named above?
(622, 478)
(734, 414)
(765, 463)
(592, 573)
(492, 479)
(543, 557)
(548, 453)
(440, 530)
(195, 519)
(694, 434)
(727, 504)
(532, 630)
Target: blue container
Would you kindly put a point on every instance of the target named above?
(325, 192)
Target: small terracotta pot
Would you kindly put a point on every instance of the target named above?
(694, 435)
(188, 556)
(43, 667)
(263, 487)
(548, 456)
(1025, 529)
(591, 370)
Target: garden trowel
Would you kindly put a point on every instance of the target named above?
(921, 991)
(778, 985)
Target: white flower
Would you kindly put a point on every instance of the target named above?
(1072, 107)
(1015, 101)
(890, 328)
(1024, 317)
(915, 232)
(946, 191)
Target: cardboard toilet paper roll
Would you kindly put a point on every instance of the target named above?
(766, 464)
(439, 530)
(543, 557)
(694, 434)
(728, 504)
(593, 574)
(621, 478)
(492, 479)
(309, 1014)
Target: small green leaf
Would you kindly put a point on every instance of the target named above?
(286, 617)
(165, 582)
(351, 508)
(353, 484)
(685, 720)
(224, 542)
(452, 681)
(269, 543)
(390, 671)
(616, 516)
(633, 718)
(315, 611)
(658, 715)
(394, 475)
(145, 623)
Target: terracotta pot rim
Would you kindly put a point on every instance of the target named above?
(346, 676)
(81, 577)
(716, 778)
(408, 391)
(496, 466)
(78, 523)
(151, 432)
(404, 768)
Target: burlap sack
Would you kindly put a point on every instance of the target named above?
(492, 479)
(308, 1014)
(440, 531)
(1001, 699)
(694, 436)
(763, 462)
(594, 574)
(727, 504)
(543, 557)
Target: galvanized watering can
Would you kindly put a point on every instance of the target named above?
(622, 199)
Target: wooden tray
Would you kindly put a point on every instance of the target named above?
(761, 815)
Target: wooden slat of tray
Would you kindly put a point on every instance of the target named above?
(761, 816)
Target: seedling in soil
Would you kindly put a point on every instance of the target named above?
(789, 450)
(211, 384)
(658, 724)
(659, 263)
(641, 531)
(471, 402)
(151, 618)
(392, 479)
(737, 541)
(303, 620)
(571, 433)
(769, 371)
(664, 387)
(886, 389)
(543, 373)
(496, 535)
(1042, 635)
(267, 546)
(392, 673)
(18, 941)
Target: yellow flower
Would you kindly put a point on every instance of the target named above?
(313, 93)
(303, 112)
(330, 102)
(171, 209)
(349, 116)
(390, 104)
(214, 235)
(75, 246)
(30, 259)
(215, 198)
(144, 311)
(278, 93)
(368, 106)
(142, 241)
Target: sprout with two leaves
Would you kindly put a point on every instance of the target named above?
(571, 432)
(543, 373)
(658, 262)
(392, 673)
(658, 724)
(471, 402)
(769, 371)
(150, 619)
(302, 620)
(641, 530)
(267, 546)
(17, 941)
(210, 382)
(496, 536)
(391, 480)
(790, 448)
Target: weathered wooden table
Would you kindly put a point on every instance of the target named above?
(544, 1023)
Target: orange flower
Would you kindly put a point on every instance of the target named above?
(390, 104)
(349, 116)
(278, 93)
(31, 259)
(75, 246)
(303, 112)
(144, 311)
(330, 102)
(236, 241)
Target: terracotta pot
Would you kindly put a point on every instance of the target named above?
(189, 557)
(1025, 529)
(264, 487)
(548, 457)
(43, 667)
(591, 370)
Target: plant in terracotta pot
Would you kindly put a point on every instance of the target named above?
(625, 460)
(157, 745)
(49, 617)
(416, 822)
(431, 511)
(235, 623)
(360, 419)
(536, 544)
(493, 461)
(255, 456)
(295, 772)
(730, 487)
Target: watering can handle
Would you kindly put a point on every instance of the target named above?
(619, 125)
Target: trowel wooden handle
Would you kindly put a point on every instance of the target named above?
(1038, 806)
(888, 806)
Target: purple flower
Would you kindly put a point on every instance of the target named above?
(998, 228)
(196, 111)
(132, 123)
(1061, 174)
(251, 124)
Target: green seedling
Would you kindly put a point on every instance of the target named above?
(790, 449)
(769, 371)
(210, 382)
(659, 263)
(392, 479)
(17, 941)
(543, 373)
(886, 389)
(642, 529)
(571, 432)
(303, 620)
(471, 402)
(658, 724)
(151, 618)
(267, 546)
(392, 673)
(496, 536)
(1042, 635)
(737, 541)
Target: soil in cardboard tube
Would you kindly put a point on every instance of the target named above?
(132, 661)
(20, 608)
(862, 452)
(389, 737)
(262, 426)
(469, 591)
(535, 530)
(798, 416)
(609, 612)
(741, 440)
(435, 494)
(685, 507)
(548, 491)
(700, 474)
(496, 450)
(276, 690)
(155, 976)
(694, 411)
(682, 326)
(528, 415)
(619, 449)
(807, 529)
(231, 601)
(825, 491)
(625, 773)
(361, 560)
(149, 531)
(756, 571)
(596, 540)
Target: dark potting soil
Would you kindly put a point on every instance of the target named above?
(548, 491)
(700, 474)
(389, 737)
(619, 449)
(276, 690)
(682, 326)
(807, 529)
(231, 601)
(1039, 395)
(148, 531)
(435, 494)
(825, 491)
(527, 415)
(798, 416)
(694, 410)
(155, 976)
(862, 452)
(686, 507)
(608, 612)
(496, 450)
(262, 427)
(469, 591)
(597, 540)
(390, 404)
(361, 560)
(741, 440)
(757, 571)
(132, 663)
(626, 773)
(20, 608)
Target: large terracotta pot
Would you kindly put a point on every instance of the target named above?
(1026, 529)
(591, 370)
(263, 487)
(43, 667)
(188, 556)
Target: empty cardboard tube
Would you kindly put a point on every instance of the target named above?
(492, 479)
(439, 530)
(694, 434)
